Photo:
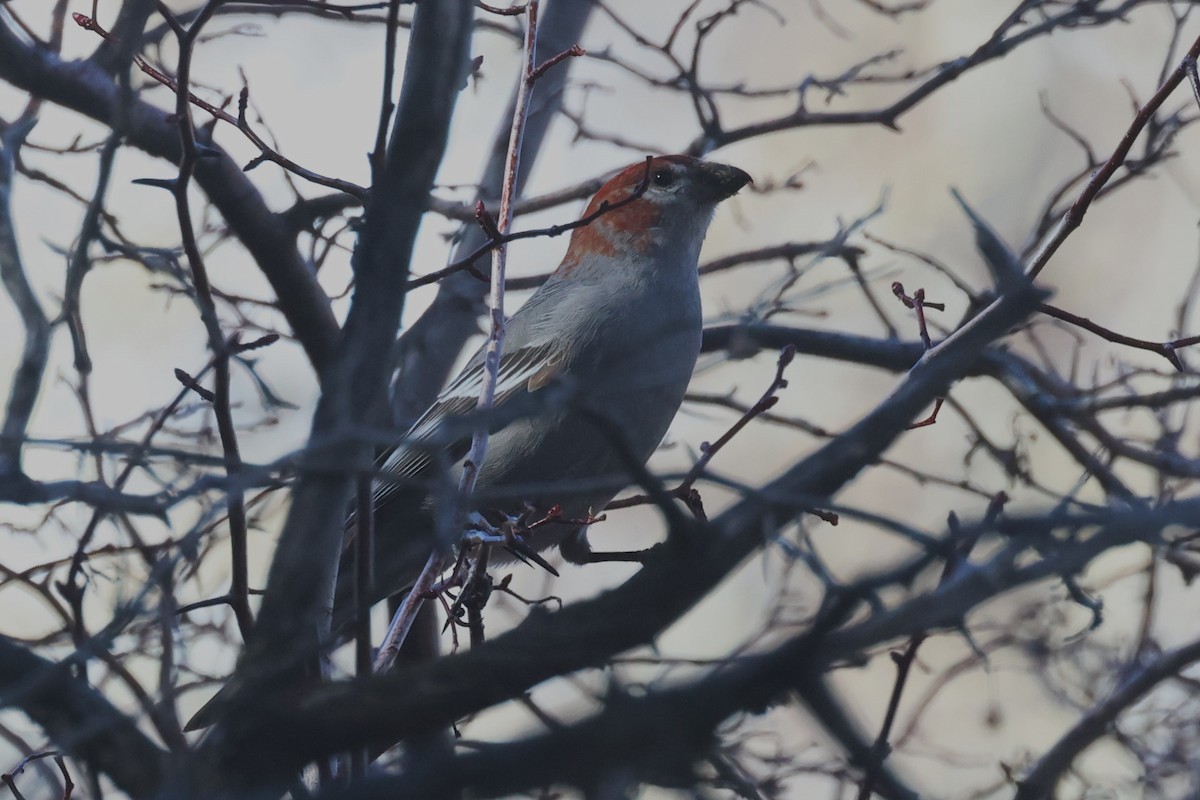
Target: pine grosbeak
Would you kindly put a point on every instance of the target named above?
(618, 325)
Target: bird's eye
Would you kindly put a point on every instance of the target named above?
(663, 177)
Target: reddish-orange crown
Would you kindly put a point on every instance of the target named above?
(602, 236)
(627, 181)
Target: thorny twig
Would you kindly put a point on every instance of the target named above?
(266, 152)
(685, 491)
(1074, 216)
(496, 230)
(221, 348)
(961, 552)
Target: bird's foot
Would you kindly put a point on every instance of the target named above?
(576, 550)
(511, 534)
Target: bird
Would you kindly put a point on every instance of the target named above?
(594, 367)
(617, 325)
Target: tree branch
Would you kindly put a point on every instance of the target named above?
(388, 708)
(428, 349)
(295, 608)
(80, 720)
(1040, 782)
(86, 88)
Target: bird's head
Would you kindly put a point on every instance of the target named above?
(660, 204)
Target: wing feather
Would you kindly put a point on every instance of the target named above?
(525, 370)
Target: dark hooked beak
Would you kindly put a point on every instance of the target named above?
(724, 180)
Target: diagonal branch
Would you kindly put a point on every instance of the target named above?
(587, 633)
(80, 720)
(1040, 782)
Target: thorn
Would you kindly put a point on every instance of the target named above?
(262, 341)
(170, 184)
(523, 552)
(189, 382)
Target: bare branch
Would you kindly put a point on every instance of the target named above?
(80, 720)
(1140, 678)
(27, 381)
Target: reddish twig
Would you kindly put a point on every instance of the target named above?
(765, 403)
(581, 190)
(554, 517)
(407, 613)
(495, 229)
(932, 418)
(486, 221)
(574, 51)
(468, 262)
(1165, 349)
(918, 303)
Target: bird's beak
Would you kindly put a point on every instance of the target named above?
(725, 180)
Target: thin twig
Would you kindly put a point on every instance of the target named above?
(221, 349)
(551, 231)
(686, 490)
(266, 152)
(918, 303)
(963, 545)
(402, 620)
(1165, 349)
(1039, 783)
(1074, 216)
(386, 104)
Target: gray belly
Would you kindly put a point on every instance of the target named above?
(577, 456)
